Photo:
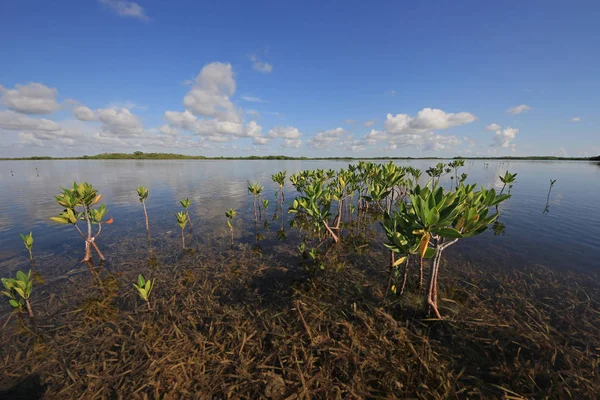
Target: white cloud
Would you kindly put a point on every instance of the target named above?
(253, 113)
(126, 9)
(575, 119)
(428, 141)
(260, 65)
(14, 121)
(183, 119)
(377, 135)
(427, 119)
(260, 140)
(503, 138)
(120, 122)
(210, 95)
(291, 143)
(168, 130)
(519, 109)
(83, 113)
(325, 138)
(32, 98)
(253, 129)
(253, 99)
(493, 127)
(285, 132)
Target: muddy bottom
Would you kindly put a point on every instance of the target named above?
(258, 322)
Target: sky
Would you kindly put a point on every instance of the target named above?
(305, 78)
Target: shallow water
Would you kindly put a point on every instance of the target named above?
(567, 236)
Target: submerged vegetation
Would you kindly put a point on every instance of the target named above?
(344, 316)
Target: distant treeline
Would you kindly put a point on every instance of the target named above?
(138, 155)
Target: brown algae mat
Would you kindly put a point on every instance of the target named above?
(239, 325)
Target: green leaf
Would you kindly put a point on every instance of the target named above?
(21, 276)
(449, 233)
(429, 253)
(60, 220)
(14, 303)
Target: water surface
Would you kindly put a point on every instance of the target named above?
(566, 236)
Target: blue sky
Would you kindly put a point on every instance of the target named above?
(316, 78)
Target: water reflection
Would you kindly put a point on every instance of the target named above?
(522, 233)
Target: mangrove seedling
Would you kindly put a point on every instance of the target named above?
(230, 214)
(144, 288)
(78, 202)
(28, 242)
(255, 190)
(456, 165)
(182, 220)
(279, 179)
(507, 179)
(445, 217)
(185, 203)
(316, 204)
(18, 290)
(143, 195)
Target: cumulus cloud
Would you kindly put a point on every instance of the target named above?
(253, 129)
(575, 119)
(503, 137)
(425, 141)
(325, 138)
(285, 132)
(291, 143)
(83, 113)
(493, 127)
(120, 122)
(428, 119)
(32, 98)
(260, 140)
(209, 96)
(260, 65)
(519, 109)
(14, 121)
(183, 119)
(167, 129)
(126, 9)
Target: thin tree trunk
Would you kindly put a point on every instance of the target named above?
(389, 284)
(31, 316)
(97, 250)
(182, 239)
(88, 250)
(189, 220)
(405, 277)
(146, 215)
(432, 295)
(421, 273)
(335, 238)
(432, 292)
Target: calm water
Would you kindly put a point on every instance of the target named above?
(567, 236)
